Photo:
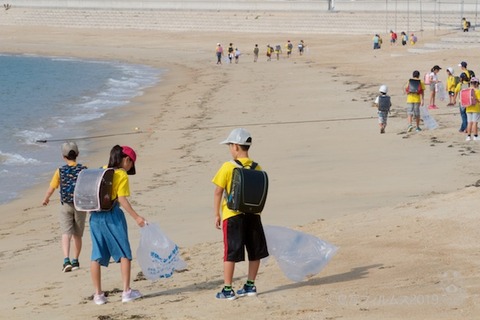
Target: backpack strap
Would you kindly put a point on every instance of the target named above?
(252, 167)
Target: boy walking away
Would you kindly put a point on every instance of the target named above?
(465, 25)
(240, 230)
(278, 50)
(72, 222)
(415, 89)
(237, 55)
(383, 104)
(473, 111)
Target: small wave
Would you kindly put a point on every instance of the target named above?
(30, 137)
(15, 159)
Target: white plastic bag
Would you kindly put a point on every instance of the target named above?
(157, 255)
(298, 254)
(428, 120)
(440, 92)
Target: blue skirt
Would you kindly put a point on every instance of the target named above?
(109, 233)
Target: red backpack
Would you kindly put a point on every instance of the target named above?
(467, 97)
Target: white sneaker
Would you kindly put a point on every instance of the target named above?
(476, 138)
(130, 295)
(468, 138)
(100, 298)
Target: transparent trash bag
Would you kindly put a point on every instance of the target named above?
(428, 120)
(440, 92)
(298, 254)
(157, 255)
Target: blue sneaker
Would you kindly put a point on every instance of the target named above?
(250, 291)
(226, 295)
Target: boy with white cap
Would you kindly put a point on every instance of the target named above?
(72, 221)
(383, 104)
(240, 230)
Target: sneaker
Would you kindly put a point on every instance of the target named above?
(67, 267)
(418, 129)
(382, 130)
(410, 128)
(227, 295)
(476, 138)
(130, 295)
(250, 291)
(75, 265)
(468, 138)
(99, 299)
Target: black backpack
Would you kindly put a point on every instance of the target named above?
(249, 188)
(384, 103)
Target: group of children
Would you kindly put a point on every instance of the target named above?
(377, 39)
(233, 54)
(108, 228)
(462, 90)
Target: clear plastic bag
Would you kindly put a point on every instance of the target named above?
(157, 255)
(428, 120)
(441, 93)
(298, 254)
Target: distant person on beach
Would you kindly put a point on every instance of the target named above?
(452, 82)
(72, 221)
(108, 229)
(230, 52)
(237, 55)
(301, 47)
(393, 38)
(463, 84)
(383, 104)
(240, 230)
(473, 112)
(415, 90)
(413, 39)
(219, 53)
(289, 47)
(404, 38)
(269, 52)
(465, 25)
(433, 80)
(278, 51)
(256, 50)
(376, 42)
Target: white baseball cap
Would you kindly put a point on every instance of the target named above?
(239, 136)
(450, 69)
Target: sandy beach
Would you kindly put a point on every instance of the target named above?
(400, 206)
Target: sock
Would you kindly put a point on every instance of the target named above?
(67, 259)
(227, 288)
(250, 283)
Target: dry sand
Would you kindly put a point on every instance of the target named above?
(396, 205)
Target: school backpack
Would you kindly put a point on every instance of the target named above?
(290, 46)
(414, 86)
(94, 190)
(384, 103)
(249, 188)
(68, 180)
(467, 97)
(468, 24)
(427, 78)
(278, 48)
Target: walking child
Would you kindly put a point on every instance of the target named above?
(256, 50)
(383, 104)
(463, 84)
(473, 112)
(278, 50)
(72, 221)
(415, 90)
(289, 47)
(237, 55)
(240, 230)
(108, 229)
(452, 82)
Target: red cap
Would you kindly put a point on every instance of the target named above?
(132, 155)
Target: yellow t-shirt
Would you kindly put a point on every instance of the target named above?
(120, 185)
(55, 182)
(415, 97)
(223, 179)
(451, 83)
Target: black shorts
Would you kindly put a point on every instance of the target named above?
(244, 231)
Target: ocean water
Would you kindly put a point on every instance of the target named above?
(49, 98)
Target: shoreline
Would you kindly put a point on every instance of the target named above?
(385, 200)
